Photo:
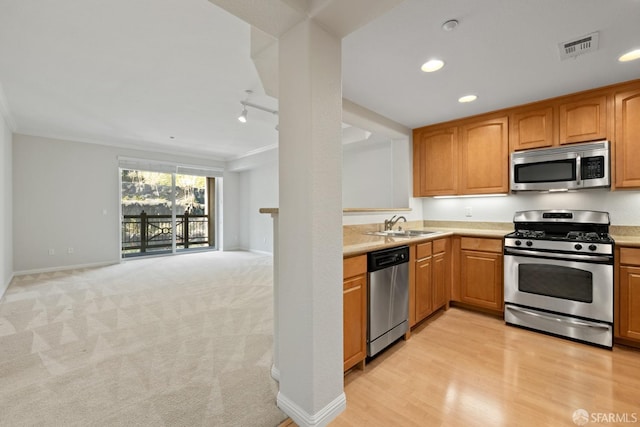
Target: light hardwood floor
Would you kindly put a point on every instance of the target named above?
(463, 368)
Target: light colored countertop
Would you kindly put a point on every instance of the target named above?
(629, 241)
(358, 244)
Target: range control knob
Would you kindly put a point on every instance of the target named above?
(518, 242)
(592, 247)
(578, 246)
(529, 243)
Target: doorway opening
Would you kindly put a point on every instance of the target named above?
(166, 212)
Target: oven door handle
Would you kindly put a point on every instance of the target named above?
(549, 317)
(578, 257)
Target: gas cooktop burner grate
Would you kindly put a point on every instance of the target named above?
(586, 236)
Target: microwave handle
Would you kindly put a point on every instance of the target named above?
(578, 169)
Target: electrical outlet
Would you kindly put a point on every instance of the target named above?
(52, 251)
(468, 211)
(69, 250)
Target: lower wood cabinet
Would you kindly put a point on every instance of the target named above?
(479, 263)
(627, 306)
(431, 278)
(354, 292)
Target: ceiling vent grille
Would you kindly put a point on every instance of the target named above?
(579, 46)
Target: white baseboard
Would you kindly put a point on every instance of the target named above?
(319, 419)
(275, 373)
(5, 286)
(65, 267)
(255, 251)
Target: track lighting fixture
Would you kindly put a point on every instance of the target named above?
(243, 116)
(245, 104)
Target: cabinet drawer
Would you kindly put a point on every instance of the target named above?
(479, 244)
(354, 266)
(629, 256)
(423, 250)
(439, 245)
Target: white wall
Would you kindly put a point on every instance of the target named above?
(258, 189)
(623, 206)
(66, 195)
(6, 192)
(231, 222)
(367, 174)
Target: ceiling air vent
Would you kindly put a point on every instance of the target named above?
(579, 46)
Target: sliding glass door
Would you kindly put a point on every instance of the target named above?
(165, 212)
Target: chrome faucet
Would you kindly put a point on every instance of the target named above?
(389, 223)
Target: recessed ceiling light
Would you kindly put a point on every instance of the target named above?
(432, 65)
(450, 25)
(630, 56)
(467, 98)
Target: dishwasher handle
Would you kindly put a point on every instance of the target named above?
(386, 258)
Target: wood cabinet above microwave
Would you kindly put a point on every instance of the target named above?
(566, 120)
(583, 118)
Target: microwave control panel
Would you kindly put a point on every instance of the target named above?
(593, 167)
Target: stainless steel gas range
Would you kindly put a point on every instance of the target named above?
(558, 274)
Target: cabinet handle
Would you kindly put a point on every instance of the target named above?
(582, 323)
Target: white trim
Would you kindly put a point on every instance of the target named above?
(256, 251)
(126, 162)
(6, 286)
(66, 267)
(321, 418)
(254, 152)
(275, 373)
(138, 145)
(5, 111)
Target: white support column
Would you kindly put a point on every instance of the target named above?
(310, 226)
(275, 368)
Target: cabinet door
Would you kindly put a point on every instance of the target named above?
(435, 162)
(485, 157)
(531, 128)
(354, 320)
(583, 120)
(423, 289)
(630, 302)
(439, 280)
(481, 279)
(627, 148)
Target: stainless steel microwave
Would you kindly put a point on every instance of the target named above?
(571, 167)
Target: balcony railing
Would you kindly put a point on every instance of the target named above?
(146, 233)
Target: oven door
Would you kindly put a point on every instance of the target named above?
(571, 287)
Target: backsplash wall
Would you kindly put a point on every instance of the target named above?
(623, 206)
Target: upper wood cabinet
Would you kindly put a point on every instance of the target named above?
(435, 162)
(583, 118)
(627, 139)
(485, 157)
(531, 128)
(471, 156)
(468, 157)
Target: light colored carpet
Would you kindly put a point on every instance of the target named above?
(171, 341)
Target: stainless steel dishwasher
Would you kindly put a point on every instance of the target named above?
(388, 304)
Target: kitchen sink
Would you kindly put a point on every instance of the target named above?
(401, 233)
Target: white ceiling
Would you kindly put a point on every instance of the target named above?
(169, 75)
